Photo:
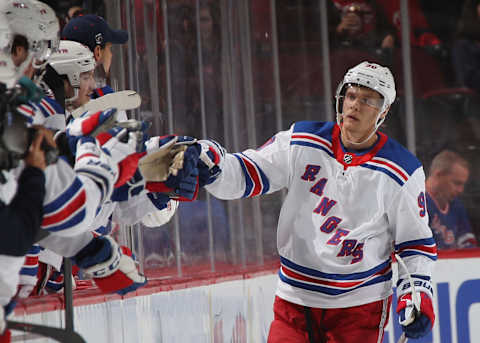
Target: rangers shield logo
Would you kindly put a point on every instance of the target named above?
(347, 158)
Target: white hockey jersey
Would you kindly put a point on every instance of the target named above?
(344, 214)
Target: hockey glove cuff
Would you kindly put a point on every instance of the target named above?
(211, 161)
(112, 267)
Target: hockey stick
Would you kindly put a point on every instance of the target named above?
(415, 299)
(60, 335)
(123, 100)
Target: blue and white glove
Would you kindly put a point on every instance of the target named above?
(131, 188)
(211, 161)
(170, 166)
(88, 124)
(112, 267)
(416, 316)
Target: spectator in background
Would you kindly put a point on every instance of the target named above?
(428, 53)
(93, 31)
(359, 25)
(448, 220)
(466, 47)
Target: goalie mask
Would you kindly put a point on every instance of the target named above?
(372, 76)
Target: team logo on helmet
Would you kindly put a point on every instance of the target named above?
(99, 39)
(347, 158)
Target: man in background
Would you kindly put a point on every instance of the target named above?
(448, 219)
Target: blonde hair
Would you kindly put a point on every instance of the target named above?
(445, 160)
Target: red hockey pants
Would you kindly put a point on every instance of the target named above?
(364, 323)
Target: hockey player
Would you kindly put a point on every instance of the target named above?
(74, 64)
(355, 196)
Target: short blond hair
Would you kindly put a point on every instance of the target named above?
(445, 160)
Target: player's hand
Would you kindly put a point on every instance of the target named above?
(112, 267)
(35, 155)
(131, 188)
(170, 166)
(415, 323)
(351, 23)
(211, 161)
(122, 146)
(89, 125)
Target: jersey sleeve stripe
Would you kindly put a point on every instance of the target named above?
(75, 220)
(424, 247)
(26, 110)
(72, 207)
(256, 182)
(424, 241)
(64, 198)
(46, 107)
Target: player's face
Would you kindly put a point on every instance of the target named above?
(106, 59)
(453, 183)
(360, 109)
(87, 85)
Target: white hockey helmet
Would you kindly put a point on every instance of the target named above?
(370, 75)
(35, 21)
(6, 35)
(72, 59)
(49, 27)
(8, 72)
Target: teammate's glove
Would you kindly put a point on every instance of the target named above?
(122, 147)
(112, 267)
(89, 125)
(416, 319)
(131, 188)
(211, 161)
(170, 166)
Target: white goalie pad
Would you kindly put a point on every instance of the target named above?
(123, 100)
